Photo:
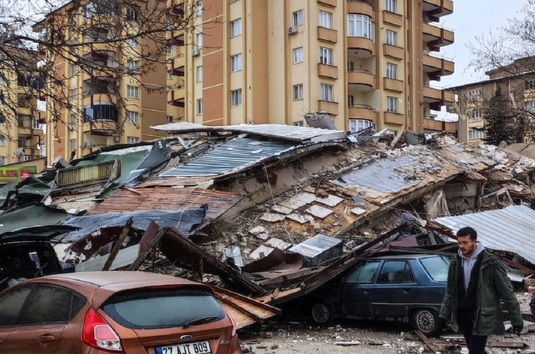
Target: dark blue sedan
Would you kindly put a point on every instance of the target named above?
(407, 288)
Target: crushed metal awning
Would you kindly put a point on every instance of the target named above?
(509, 229)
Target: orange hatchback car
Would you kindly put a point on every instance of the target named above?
(114, 312)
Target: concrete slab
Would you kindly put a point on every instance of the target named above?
(331, 200)
(261, 252)
(298, 200)
(319, 211)
(302, 219)
(272, 217)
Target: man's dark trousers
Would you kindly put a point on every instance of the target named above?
(475, 344)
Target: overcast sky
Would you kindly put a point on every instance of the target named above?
(473, 18)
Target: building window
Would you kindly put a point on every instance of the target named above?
(73, 94)
(169, 119)
(298, 55)
(297, 18)
(474, 95)
(350, 101)
(391, 37)
(529, 106)
(199, 40)
(131, 14)
(391, 71)
(3, 160)
(199, 73)
(358, 124)
(360, 26)
(169, 49)
(391, 5)
(199, 8)
(299, 123)
(199, 106)
(169, 75)
(326, 19)
(132, 65)
(326, 92)
(530, 84)
(235, 62)
(235, 27)
(2, 118)
(73, 123)
(74, 70)
(235, 97)
(132, 91)
(391, 104)
(132, 117)
(132, 42)
(74, 145)
(298, 92)
(476, 134)
(132, 140)
(326, 56)
(2, 140)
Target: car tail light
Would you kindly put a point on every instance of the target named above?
(98, 333)
(233, 323)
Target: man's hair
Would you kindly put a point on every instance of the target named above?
(467, 231)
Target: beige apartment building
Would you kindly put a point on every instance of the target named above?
(105, 96)
(363, 62)
(516, 81)
(21, 130)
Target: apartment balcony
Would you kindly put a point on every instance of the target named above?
(363, 111)
(175, 37)
(439, 126)
(360, 47)
(435, 68)
(101, 117)
(360, 7)
(29, 131)
(330, 3)
(176, 97)
(327, 71)
(436, 37)
(393, 85)
(103, 75)
(327, 34)
(176, 67)
(175, 7)
(99, 98)
(99, 49)
(392, 18)
(437, 98)
(394, 118)
(328, 107)
(434, 9)
(393, 52)
(361, 80)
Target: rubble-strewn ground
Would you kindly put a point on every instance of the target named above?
(364, 337)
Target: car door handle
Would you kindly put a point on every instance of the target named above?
(46, 338)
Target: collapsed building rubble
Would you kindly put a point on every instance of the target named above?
(234, 206)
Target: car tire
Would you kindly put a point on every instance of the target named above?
(321, 314)
(426, 321)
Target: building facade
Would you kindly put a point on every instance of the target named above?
(363, 62)
(108, 82)
(516, 81)
(21, 132)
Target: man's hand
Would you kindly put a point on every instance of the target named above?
(518, 329)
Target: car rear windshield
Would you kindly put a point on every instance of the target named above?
(437, 267)
(164, 308)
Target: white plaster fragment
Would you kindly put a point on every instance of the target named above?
(319, 211)
(331, 200)
(272, 217)
(281, 209)
(298, 200)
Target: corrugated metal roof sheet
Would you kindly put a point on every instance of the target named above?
(240, 152)
(510, 229)
(167, 198)
(281, 131)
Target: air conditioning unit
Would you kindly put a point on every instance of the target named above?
(292, 30)
(195, 52)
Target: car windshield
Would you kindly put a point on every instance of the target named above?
(437, 267)
(163, 308)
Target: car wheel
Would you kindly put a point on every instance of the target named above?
(321, 314)
(426, 321)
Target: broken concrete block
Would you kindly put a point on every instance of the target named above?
(261, 252)
(358, 211)
(258, 230)
(272, 217)
(281, 209)
(330, 200)
(278, 243)
(298, 200)
(319, 211)
(300, 218)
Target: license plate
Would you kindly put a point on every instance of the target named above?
(187, 348)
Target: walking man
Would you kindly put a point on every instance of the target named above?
(476, 282)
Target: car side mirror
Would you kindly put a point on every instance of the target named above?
(68, 267)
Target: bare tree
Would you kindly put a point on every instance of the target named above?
(508, 57)
(95, 38)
